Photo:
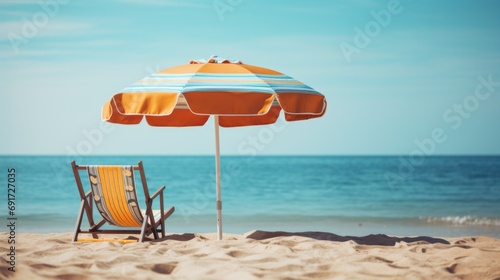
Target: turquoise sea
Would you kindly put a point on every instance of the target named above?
(351, 195)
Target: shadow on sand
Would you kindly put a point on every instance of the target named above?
(372, 239)
(177, 237)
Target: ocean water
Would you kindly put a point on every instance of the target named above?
(431, 196)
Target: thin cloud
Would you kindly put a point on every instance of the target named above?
(168, 3)
(63, 48)
(53, 28)
(15, 13)
(19, 2)
(330, 8)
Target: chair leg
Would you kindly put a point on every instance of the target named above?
(153, 224)
(162, 228)
(143, 229)
(94, 235)
(164, 217)
(79, 221)
(155, 233)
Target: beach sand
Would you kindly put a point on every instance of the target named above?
(255, 255)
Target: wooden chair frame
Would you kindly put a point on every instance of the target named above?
(149, 226)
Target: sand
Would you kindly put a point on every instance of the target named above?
(255, 255)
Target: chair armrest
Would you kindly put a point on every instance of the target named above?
(167, 214)
(88, 194)
(159, 191)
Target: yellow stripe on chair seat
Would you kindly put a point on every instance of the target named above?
(123, 241)
(115, 196)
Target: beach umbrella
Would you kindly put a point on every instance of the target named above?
(234, 93)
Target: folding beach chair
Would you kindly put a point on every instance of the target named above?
(114, 194)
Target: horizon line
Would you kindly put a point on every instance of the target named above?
(259, 155)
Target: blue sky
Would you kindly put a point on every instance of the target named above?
(400, 77)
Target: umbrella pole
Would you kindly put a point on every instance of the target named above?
(217, 179)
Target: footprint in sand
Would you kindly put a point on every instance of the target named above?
(238, 254)
(164, 268)
(452, 269)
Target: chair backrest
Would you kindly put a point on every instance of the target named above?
(114, 193)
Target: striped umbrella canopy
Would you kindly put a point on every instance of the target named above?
(235, 93)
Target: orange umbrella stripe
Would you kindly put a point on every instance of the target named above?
(219, 69)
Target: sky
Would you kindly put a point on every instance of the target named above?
(400, 77)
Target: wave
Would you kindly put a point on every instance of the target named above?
(463, 221)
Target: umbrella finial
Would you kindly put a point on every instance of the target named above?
(212, 59)
(215, 59)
